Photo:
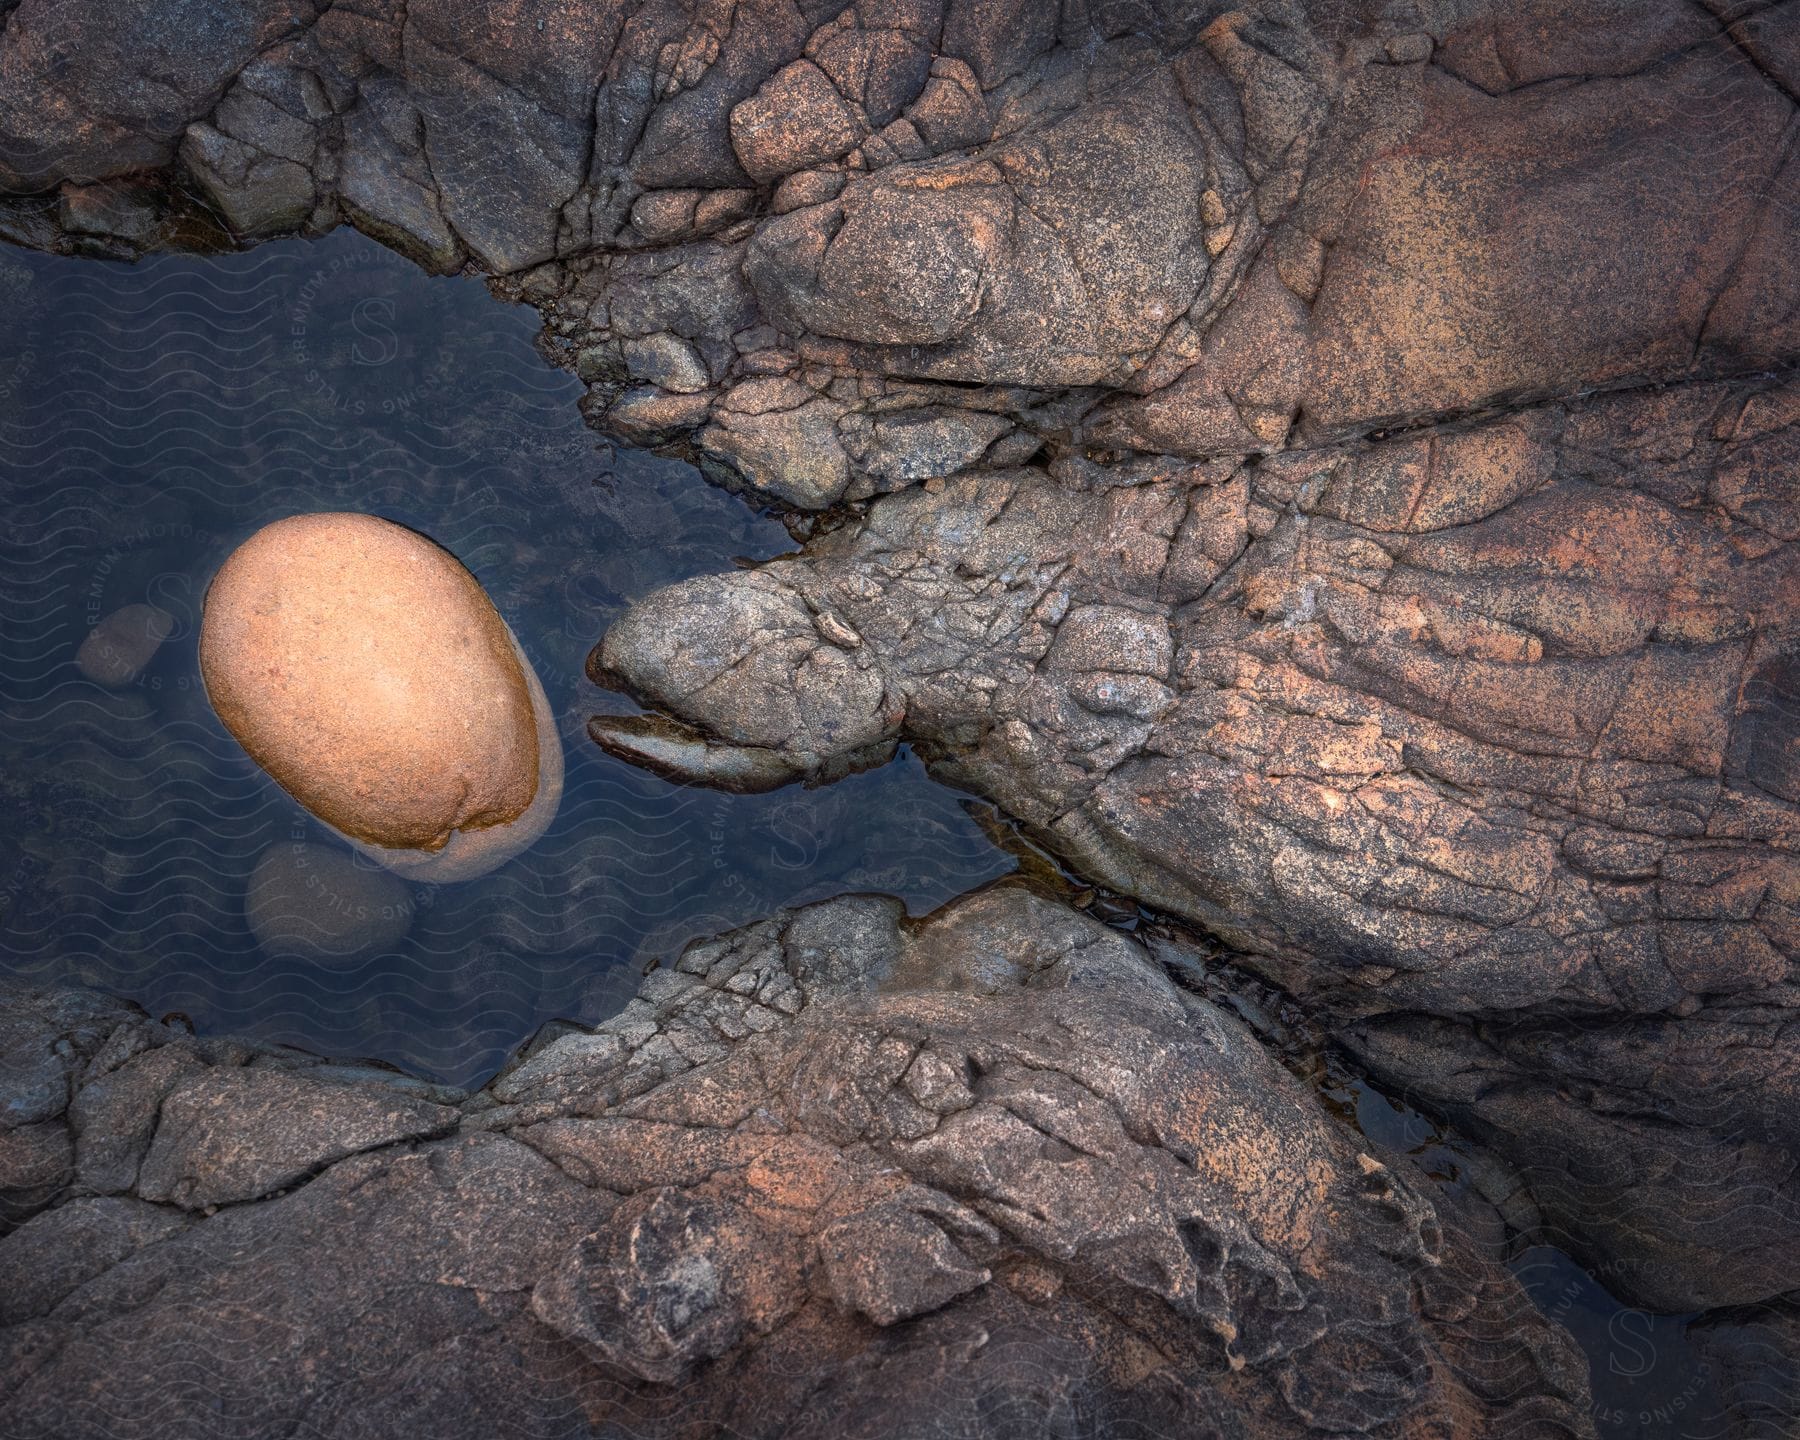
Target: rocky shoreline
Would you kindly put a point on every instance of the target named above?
(1330, 471)
(833, 1174)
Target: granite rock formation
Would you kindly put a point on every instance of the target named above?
(1482, 739)
(834, 1174)
(1329, 468)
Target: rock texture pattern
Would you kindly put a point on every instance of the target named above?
(1329, 468)
(830, 1175)
(1481, 739)
(365, 669)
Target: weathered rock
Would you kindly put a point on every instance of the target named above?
(796, 120)
(834, 1174)
(232, 1135)
(317, 902)
(818, 699)
(47, 1036)
(255, 193)
(51, 1255)
(118, 649)
(897, 449)
(782, 439)
(682, 753)
(114, 1114)
(35, 1161)
(123, 100)
(1261, 540)
(1481, 739)
(381, 1298)
(363, 667)
(667, 361)
(1284, 224)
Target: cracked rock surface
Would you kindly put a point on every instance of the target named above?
(1480, 739)
(834, 1174)
(1329, 468)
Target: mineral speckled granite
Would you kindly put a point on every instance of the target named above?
(1331, 469)
(831, 1175)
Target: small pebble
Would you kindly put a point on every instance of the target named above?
(118, 649)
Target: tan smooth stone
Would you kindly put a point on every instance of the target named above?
(475, 852)
(316, 902)
(120, 646)
(366, 670)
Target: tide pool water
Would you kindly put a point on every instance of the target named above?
(151, 417)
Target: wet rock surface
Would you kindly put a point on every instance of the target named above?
(834, 1174)
(1327, 469)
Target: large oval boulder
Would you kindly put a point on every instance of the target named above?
(366, 670)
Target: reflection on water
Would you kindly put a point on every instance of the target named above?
(150, 418)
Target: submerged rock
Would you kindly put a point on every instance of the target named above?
(318, 903)
(121, 646)
(365, 669)
(836, 1174)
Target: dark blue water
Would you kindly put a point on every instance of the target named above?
(150, 418)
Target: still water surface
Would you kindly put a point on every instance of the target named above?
(151, 417)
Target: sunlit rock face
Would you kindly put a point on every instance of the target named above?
(367, 671)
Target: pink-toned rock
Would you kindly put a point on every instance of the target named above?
(366, 670)
(120, 646)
